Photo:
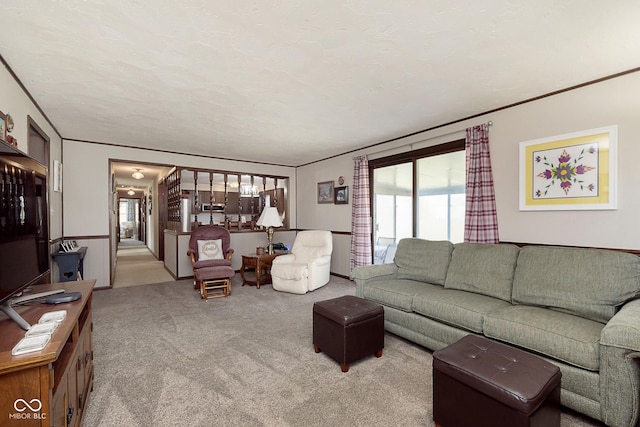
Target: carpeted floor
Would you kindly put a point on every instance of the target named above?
(164, 357)
(136, 265)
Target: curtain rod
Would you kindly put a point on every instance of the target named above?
(489, 123)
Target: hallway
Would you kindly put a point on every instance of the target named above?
(136, 265)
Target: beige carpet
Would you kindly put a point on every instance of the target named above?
(164, 357)
(136, 265)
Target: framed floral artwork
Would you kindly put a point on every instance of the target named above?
(575, 171)
(325, 192)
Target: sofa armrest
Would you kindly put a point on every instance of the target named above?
(371, 273)
(320, 261)
(620, 367)
(374, 272)
(192, 256)
(623, 330)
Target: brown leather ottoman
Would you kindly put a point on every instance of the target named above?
(348, 328)
(481, 383)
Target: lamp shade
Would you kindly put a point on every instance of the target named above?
(269, 218)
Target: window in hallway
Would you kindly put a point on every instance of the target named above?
(129, 218)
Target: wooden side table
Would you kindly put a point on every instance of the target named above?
(262, 266)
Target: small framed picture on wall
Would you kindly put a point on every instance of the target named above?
(325, 192)
(341, 195)
(57, 176)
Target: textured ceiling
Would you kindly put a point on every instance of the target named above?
(290, 82)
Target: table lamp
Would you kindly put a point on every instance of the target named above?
(269, 218)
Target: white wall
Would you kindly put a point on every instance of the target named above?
(611, 102)
(87, 188)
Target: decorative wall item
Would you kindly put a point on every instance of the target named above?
(11, 140)
(325, 192)
(575, 171)
(9, 125)
(3, 126)
(341, 180)
(57, 176)
(341, 195)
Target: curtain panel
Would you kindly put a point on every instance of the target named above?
(481, 220)
(360, 215)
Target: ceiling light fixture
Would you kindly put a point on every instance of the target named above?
(131, 192)
(137, 174)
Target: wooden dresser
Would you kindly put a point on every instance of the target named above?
(49, 387)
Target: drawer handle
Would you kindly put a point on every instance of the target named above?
(79, 363)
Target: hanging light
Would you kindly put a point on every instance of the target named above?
(137, 174)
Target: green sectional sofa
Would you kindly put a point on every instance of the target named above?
(575, 307)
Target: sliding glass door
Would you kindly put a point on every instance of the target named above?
(392, 208)
(441, 197)
(418, 194)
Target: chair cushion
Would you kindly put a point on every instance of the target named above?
(210, 273)
(210, 249)
(290, 271)
(211, 263)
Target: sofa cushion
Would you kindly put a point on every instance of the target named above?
(591, 283)
(423, 260)
(461, 309)
(485, 269)
(571, 339)
(395, 293)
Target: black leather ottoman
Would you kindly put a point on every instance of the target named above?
(348, 328)
(481, 383)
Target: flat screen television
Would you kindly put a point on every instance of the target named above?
(24, 232)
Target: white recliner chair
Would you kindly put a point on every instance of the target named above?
(308, 265)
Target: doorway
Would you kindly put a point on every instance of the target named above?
(135, 229)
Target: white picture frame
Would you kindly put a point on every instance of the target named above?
(57, 176)
(574, 171)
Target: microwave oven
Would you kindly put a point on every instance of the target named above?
(215, 208)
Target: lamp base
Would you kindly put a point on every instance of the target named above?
(270, 239)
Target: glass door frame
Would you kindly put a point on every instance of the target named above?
(408, 157)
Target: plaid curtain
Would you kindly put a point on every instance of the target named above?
(481, 220)
(360, 214)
